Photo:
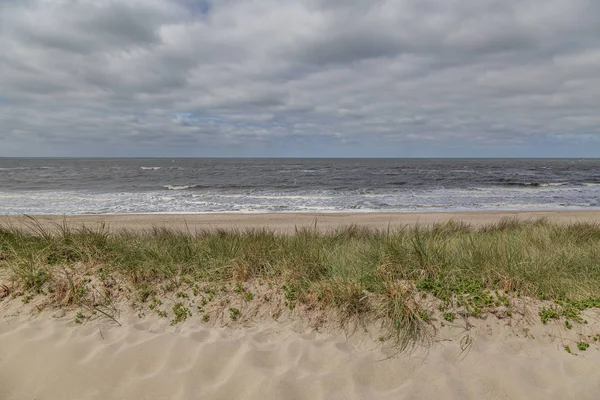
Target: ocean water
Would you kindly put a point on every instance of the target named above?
(115, 186)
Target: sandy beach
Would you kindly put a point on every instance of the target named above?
(46, 353)
(53, 358)
(287, 222)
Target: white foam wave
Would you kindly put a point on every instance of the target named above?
(22, 168)
(151, 168)
(181, 200)
(178, 187)
(554, 184)
(278, 196)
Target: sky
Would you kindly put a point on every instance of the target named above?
(290, 78)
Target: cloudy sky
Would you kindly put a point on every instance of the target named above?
(398, 78)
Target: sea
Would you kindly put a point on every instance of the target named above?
(36, 186)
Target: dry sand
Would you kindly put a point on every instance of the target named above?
(54, 358)
(287, 222)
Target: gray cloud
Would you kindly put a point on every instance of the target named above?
(195, 76)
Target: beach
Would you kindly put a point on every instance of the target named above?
(288, 222)
(54, 358)
(247, 335)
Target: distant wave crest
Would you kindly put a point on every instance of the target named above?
(198, 187)
(22, 168)
(534, 184)
(184, 187)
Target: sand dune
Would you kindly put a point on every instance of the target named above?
(49, 358)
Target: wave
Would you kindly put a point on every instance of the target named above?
(151, 168)
(22, 168)
(305, 171)
(184, 187)
(534, 184)
(218, 187)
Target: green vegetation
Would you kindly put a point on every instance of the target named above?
(583, 346)
(449, 316)
(569, 309)
(79, 318)
(181, 313)
(546, 314)
(26, 299)
(234, 313)
(290, 294)
(144, 292)
(358, 272)
(154, 306)
(568, 325)
(424, 315)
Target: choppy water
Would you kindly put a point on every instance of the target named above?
(108, 186)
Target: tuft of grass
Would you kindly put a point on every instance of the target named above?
(145, 292)
(291, 294)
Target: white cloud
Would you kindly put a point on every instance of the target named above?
(81, 75)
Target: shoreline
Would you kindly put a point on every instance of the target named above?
(288, 222)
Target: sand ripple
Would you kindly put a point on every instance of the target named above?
(54, 359)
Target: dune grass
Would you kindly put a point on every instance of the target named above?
(354, 271)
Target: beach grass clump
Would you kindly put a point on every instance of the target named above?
(356, 271)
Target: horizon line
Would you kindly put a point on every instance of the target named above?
(296, 158)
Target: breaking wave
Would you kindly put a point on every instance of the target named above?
(534, 184)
